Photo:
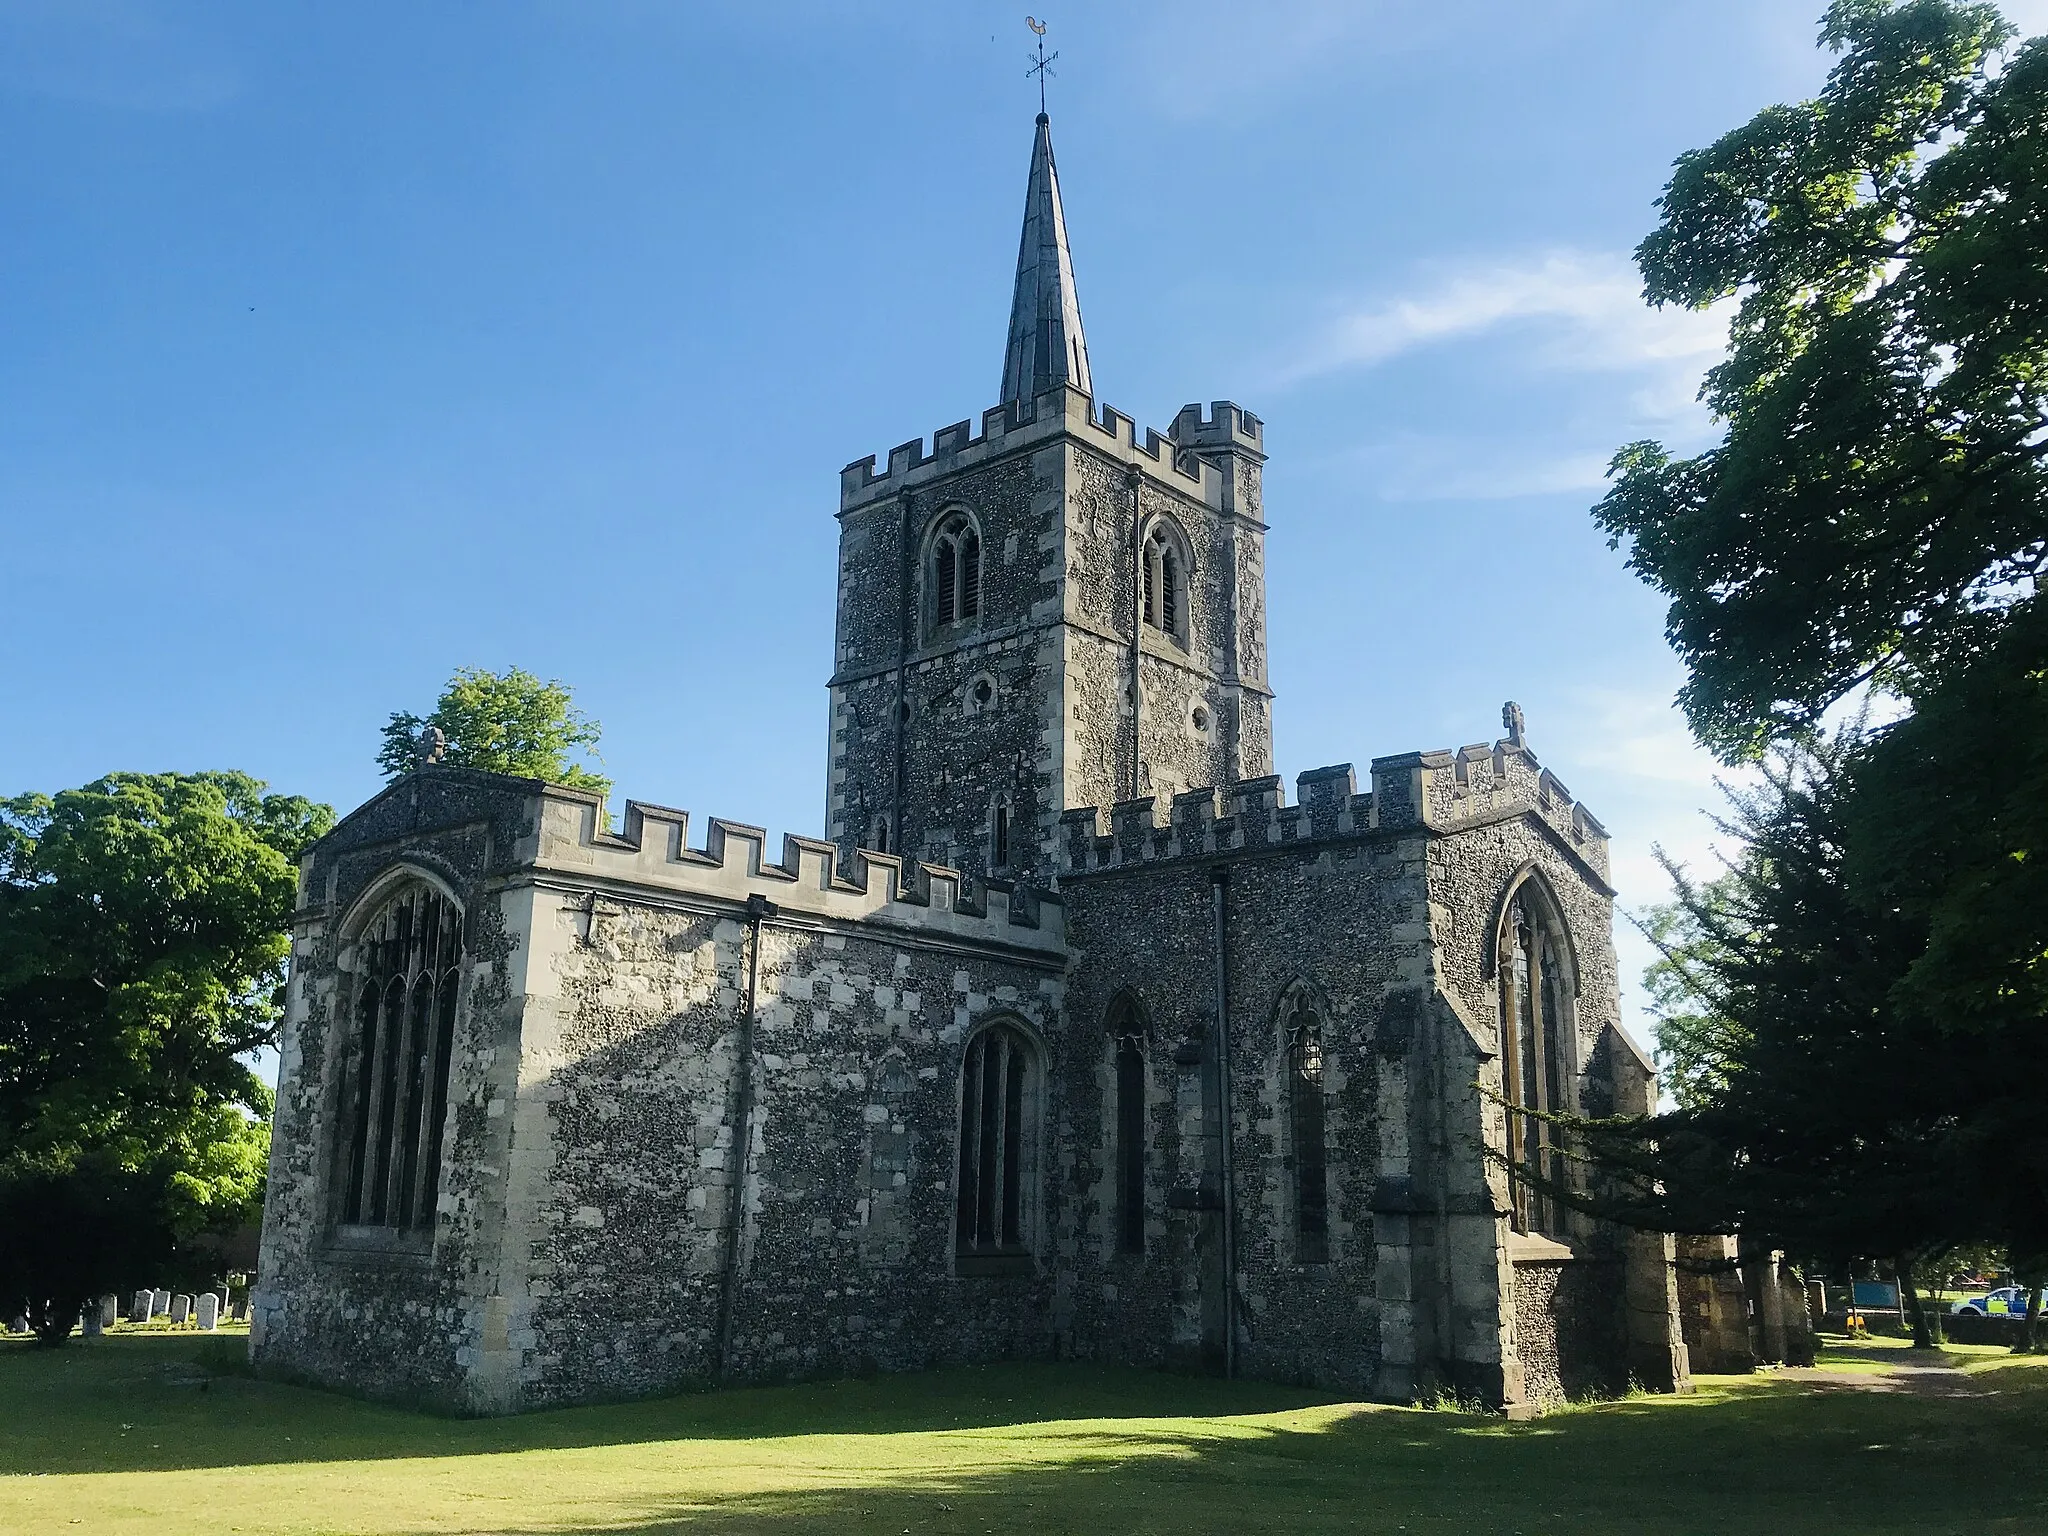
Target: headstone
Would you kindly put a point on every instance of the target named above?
(181, 1308)
(89, 1320)
(209, 1311)
(159, 1303)
(17, 1323)
(145, 1303)
(110, 1311)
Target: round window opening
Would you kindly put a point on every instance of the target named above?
(983, 691)
(1200, 716)
(903, 711)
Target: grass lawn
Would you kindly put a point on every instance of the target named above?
(151, 1431)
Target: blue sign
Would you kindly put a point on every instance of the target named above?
(1874, 1293)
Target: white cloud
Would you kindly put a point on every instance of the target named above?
(1578, 310)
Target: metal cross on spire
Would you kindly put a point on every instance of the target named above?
(1043, 66)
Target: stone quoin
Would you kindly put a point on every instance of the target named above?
(1070, 1038)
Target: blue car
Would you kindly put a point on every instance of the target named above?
(2006, 1301)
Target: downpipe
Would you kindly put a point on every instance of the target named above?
(759, 909)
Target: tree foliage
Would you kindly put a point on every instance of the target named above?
(1862, 1070)
(1875, 511)
(142, 959)
(504, 722)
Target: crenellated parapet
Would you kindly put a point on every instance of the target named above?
(653, 854)
(1174, 458)
(1437, 792)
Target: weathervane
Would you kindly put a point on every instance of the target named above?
(1044, 65)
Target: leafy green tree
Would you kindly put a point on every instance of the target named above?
(1875, 510)
(142, 960)
(1875, 516)
(504, 722)
(1696, 1039)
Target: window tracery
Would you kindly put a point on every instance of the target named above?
(1165, 582)
(1127, 1036)
(1535, 1002)
(1307, 1132)
(956, 571)
(408, 977)
(998, 1105)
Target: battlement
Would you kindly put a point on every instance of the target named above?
(1172, 458)
(654, 852)
(1431, 792)
(1228, 425)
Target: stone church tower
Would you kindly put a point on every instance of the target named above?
(1048, 613)
(1071, 1038)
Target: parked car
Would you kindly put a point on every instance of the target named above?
(2006, 1301)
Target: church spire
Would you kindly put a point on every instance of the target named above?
(1046, 346)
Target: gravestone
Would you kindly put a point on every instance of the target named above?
(17, 1323)
(209, 1311)
(110, 1311)
(89, 1320)
(145, 1303)
(181, 1308)
(159, 1303)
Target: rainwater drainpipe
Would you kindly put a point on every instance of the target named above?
(907, 564)
(759, 908)
(1219, 885)
(1135, 479)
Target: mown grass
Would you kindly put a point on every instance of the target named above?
(141, 1433)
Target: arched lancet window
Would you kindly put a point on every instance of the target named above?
(1535, 1001)
(956, 571)
(1166, 583)
(407, 977)
(1306, 1131)
(998, 1151)
(1127, 1035)
(878, 837)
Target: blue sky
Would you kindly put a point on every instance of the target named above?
(341, 346)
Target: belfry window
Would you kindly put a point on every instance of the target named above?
(956, 571)
(1126, 1031)
(1165, 594)
(1307, 1133)
(998, 1103)
(1534, 1004)
(397, 1089)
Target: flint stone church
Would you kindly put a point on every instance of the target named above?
(1071, 1038)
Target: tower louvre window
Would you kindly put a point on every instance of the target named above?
(956, 571)
(998, 1101)
(999, 836)
(1306, 1122)
(404, 1036)
(1165, 583)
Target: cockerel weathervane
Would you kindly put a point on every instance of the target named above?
(1043, 66)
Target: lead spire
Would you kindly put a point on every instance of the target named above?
(1046, 346)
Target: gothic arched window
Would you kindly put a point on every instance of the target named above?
(998, 1150)
(1166, 582)
(1306, 1132)
(1127, 1034)
(999, 833)
(1534, 1002)
(407, 975)
(956, 571)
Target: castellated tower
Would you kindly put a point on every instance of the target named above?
(1049, 613)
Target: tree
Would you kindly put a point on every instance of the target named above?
(1875, 517)
(1696, 1039)
(1875, 510)
(504, 722)
(142, 960)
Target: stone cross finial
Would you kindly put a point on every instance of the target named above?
(433, 746)
(1511, 722)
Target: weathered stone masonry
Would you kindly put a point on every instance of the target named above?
(1203, 1079)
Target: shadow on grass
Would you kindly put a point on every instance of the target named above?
(1766, 1456)
(141, 1402)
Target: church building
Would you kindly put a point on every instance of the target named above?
(1074, 1036)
